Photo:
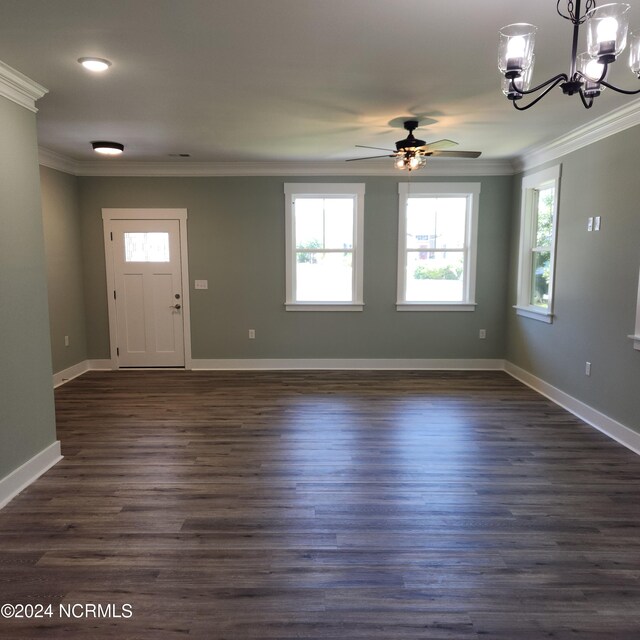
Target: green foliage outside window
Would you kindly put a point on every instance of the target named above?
(305, 257)
(450, 272)
(542, 259)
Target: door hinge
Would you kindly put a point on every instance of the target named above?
(117, 351)
(114, 294)
(111, 234)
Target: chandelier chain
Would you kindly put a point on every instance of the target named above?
(571, 11)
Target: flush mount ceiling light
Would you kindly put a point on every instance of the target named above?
(607, 34)
(95, 64)
(107, 148)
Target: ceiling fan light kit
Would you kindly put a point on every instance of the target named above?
(607, 35)
(412, 153)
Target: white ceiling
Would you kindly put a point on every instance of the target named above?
(284, 80)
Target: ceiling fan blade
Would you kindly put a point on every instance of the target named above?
(440, 144)
(455, 154)
(368, 158)
(364, 146)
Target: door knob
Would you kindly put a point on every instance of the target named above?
(175, 306)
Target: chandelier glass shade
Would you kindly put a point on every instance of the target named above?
(608, 35)
(410, 159)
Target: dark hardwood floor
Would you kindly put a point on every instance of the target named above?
(317, 505)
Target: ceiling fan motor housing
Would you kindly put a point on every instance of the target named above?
(410, 141)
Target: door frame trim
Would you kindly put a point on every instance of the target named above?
(108, 215)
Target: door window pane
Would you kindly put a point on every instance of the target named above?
(146, 247)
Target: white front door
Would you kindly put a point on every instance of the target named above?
(148, 293)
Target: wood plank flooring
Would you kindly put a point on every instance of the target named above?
(325, 505)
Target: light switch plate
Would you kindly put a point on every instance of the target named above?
(589, 224)
(202, 284)
(596, 223)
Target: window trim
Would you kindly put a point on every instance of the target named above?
(324, 190)
(470, 190)
(534, 182)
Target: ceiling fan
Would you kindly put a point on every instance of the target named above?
(412, 153)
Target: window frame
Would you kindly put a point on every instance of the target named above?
(532, 184)
(636, 336)
(355, 190)
(468, 190)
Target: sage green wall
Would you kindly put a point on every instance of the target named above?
(63, 249)
(27, 422)
(596, 283)
(236, 242)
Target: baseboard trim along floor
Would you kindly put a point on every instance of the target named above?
(30, 471)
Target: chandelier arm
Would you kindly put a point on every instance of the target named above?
(556, 81)
(579, 75)
(573, 12)
(587, 103)
(618, 90)
(552, 81)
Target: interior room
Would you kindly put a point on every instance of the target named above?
(320, 319)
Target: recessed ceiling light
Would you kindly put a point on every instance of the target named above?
(107, 148)
(95, 64)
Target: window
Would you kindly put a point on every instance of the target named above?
(324, 246)
(636, 336)
(146, 247)
(437, 246)
(538, 222)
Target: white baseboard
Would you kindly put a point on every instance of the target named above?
(271, 364)
(69, 374)
(62, 377)
(610, 427)
(31, 470)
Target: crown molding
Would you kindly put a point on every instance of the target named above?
(118, 168)
(613, 122)
(53, 160)
(19, 89)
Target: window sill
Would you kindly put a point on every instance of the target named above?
(534, 314)
(324, 306)
(636, 342)
(436, 306)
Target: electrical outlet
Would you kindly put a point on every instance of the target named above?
(252, 334)
(66, 341)
(596, 223)
(589, 224)
(587, 369)
(482, 334)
